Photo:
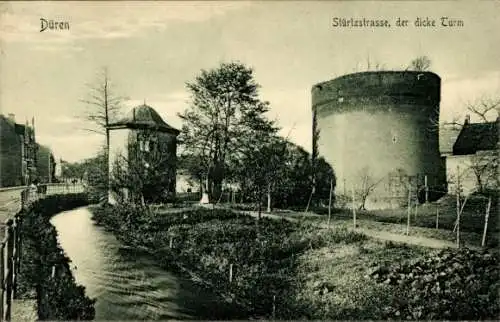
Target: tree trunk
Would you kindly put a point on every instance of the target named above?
(260, 204)
(216, 190)
(363, 202)
(269, 198)
(204, 192)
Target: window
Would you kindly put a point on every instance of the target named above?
(144, 146)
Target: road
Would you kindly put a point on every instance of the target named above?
(10, 200)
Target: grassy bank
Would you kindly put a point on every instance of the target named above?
(287, 270)
(44, 267)
(472, 218)
(210, 244)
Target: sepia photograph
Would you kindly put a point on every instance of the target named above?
(249, 160)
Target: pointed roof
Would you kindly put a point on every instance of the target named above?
(447, 138)
(144, 117)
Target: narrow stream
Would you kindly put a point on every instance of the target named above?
(129, 287)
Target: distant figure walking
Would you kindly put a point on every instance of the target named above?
(41, 189)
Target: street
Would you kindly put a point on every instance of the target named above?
(10, 200)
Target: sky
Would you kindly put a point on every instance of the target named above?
(151, 49)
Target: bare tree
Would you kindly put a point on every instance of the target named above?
(367, 186)
(421, 63)
(484, 164)
(484, 167)
(485, 108)
(372, 65)
(102, 105)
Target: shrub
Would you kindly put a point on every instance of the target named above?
(208, 241)
(452, 284)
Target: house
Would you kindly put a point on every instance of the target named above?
(472, 159)
(46, 164)
(142, 144)
(17, 152)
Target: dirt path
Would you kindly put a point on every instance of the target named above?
(377, 234)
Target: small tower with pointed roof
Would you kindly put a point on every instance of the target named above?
(144, 128)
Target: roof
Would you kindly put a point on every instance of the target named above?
(18, 128)
(447, 138)
(43, 149)
(395, 73)
(476, 137)
(144, 117)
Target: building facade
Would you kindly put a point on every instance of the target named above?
(46, 165)
(18, 152)
(472, 162)
(142, 148)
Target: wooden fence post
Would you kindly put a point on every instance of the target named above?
(426, 190)
(230, 273)
(23, 199)
(409, 211)
(458, 208)
(10, 266)
(437, 217)
(483, 242)
(353, 208)
(19, 241)
(274, 307)
(15, 252)
(2, 278)
(330, 203)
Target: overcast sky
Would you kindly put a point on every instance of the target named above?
(151, 49)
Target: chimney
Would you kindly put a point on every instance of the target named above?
(467, 119)
(12, 117)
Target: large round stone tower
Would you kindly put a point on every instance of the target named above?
(379, 132)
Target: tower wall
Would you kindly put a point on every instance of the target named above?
(380, 129)
(118, 150)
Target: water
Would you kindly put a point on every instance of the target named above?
(129, 287)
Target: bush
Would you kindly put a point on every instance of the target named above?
(452, 284)
(208, 241)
